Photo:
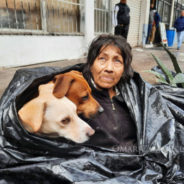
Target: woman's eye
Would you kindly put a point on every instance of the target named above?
(118, 61)
(101, 58)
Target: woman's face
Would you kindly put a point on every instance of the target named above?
(108, 67)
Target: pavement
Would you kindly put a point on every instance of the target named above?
(142, 60)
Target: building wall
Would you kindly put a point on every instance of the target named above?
(135, 13)
(17, 50)
(25, 50)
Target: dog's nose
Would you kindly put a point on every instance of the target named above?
(100, 109)
(89, 131)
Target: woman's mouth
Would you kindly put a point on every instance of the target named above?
(107, 79)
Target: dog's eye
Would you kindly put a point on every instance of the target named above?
(65, 121)
(84, 98)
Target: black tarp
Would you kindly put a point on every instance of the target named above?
(28, 158)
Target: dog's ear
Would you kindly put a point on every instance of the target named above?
(62, 84)
(31, 115)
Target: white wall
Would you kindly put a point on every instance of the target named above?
(135, 15)
(21, 50)
(24, 50)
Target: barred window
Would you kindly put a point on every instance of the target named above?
(65, 16)
(160, 8)
(164, 9)
(166, 13)
(45, 16)
(102, 16)
(19, 14)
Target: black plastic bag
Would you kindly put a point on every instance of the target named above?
(28, 158)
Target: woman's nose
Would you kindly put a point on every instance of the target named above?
(109, 65)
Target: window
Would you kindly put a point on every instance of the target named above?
(166, 13)
(103, 16)
(19, 14)
(64, 16)
(164, 10)
(42, 16)
(160, 7)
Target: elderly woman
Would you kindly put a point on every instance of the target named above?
(108, 66)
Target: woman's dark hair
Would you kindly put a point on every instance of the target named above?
(103, 41)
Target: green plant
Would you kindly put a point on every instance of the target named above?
(168, 77)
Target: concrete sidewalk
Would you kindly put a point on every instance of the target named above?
(142, 60)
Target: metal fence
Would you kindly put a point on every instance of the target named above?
(42, 16)
(103, 16)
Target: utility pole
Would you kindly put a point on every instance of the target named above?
(172, 12)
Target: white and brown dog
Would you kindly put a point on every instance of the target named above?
(54, 110)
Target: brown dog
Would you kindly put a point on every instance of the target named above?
(73, 85)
